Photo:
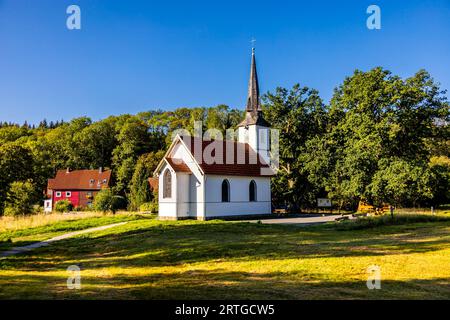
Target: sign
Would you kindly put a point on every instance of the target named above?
(323, 203)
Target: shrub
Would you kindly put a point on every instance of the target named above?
(63, 206)
(106, 201)
(148, 207)
(20, 198)
(37, 209)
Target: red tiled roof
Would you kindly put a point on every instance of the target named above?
(178, 165)
(232, 158)
(80, 180)
(154, 183)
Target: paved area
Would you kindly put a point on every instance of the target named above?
(302, 221)
(58, 238)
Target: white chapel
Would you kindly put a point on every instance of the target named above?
(207, 179)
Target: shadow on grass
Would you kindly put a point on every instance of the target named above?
(218, 284)
(8, 245)
(175, 244)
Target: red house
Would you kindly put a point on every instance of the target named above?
(78, 186)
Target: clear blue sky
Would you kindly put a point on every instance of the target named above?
(132, 56)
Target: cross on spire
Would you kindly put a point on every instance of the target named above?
(253, 44)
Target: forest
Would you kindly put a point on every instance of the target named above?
(381, 138)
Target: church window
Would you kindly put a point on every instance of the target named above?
(167, 184)
(252, 191)
(225, 191)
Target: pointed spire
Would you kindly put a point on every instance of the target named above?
(253, 109)
(253, 87)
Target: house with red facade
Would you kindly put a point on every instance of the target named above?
(77, 186)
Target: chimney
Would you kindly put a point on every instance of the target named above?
(68, 170)
(100, 170)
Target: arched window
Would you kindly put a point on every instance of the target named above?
(225, 191)
(252, 191)
(167, 184)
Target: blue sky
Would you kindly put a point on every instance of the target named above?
(133, 56)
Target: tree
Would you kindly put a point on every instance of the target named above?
(378, 121)
(16, 164)
(299, 114)
(20, 198)
(106, 201)
(94, 144)
(12, 133)
(134, 139)
(440, 180)
(140, 192)
(400, 183)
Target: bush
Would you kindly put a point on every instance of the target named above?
(20, 198)
(63, 206)
(148, 207)
(106, 201)
(37, 209)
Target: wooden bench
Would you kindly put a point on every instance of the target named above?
(280, 211)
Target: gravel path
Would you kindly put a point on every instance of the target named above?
(45, 243)
(301, 221)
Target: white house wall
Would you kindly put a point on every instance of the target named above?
(167, 207)
(239, 196)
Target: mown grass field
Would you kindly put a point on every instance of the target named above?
(22, 231)
(151, 259)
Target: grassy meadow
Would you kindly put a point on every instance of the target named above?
(21, 231)
(151, 259)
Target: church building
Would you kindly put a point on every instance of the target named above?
(207, 179)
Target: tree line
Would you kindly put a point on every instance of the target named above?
(381, 138)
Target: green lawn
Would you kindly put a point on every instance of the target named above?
(151, 259)
(24, 236)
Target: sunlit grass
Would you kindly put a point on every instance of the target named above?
(150, 259)
(33, 228)
(37, 220)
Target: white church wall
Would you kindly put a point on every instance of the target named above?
(195, 189)
(263, 142)
(167, 207)
(180, 152)
(243, 135)
(197, 196)
(258, 138)
(239, 196)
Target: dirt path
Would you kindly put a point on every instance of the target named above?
(44, 243)
(302, 221)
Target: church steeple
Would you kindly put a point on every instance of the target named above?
(254, 130)
(253, 114)
(253, 87)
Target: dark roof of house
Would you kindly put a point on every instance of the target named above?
(153, 182)
(80, 180)
(227, 157)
